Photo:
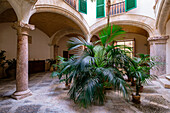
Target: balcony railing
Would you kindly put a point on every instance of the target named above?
(117, 8)
(72, 3)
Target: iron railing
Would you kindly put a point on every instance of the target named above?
(72, 3)
(117, 8)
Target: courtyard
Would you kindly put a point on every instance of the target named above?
(49, 96)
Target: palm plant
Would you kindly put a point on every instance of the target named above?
(141, 71)
(97, 64)
(2, 58)
(2, 63)
(51, 62)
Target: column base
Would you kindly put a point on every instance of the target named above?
(21, 94)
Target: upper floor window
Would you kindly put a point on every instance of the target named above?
(100, 8)
(83, 6)
(130, 4)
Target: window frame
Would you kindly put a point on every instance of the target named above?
(104, 9)
(126, 10)
(134, 45)
(86, 8)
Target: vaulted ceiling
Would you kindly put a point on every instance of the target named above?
(134, 29)
(8, 16)
(49, 23)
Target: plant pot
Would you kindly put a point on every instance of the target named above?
(67, 87)
(51, 69)
(136, 99)
(141, 89)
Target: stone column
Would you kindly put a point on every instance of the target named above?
(158, 49)
(55, 51)
(22, 90)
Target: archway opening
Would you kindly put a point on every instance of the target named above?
(49, 24)
(134, 37)
(8, 40)
(62, 47)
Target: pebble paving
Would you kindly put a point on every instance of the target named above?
(49, 97)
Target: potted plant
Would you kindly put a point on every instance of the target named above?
(61, 62)
(97, 65)
(141, 72)
(51, 62)
(2, 63)
(11, 69)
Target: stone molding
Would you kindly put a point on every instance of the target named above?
(58, 35)
(32, 1)
(158, 38)
(140, 21)
(22, 28)
(53, 7)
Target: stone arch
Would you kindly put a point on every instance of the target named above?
(140, 21)
(66, 11)
(163, 16)
(95, 35)
(22, 9)
(58, 35)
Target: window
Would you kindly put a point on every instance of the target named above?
(128, 43)
(130, 4)
(100, 8)
(83, 6)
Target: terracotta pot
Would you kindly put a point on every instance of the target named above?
(67, 87)
(136, 99)
(51, 68)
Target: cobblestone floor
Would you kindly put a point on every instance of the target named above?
(49, 97)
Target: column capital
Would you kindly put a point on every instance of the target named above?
(22, 28)
(20, 24)
(157, 38)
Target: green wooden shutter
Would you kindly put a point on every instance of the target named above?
(130, 4)
(100, 8)
(83, 6)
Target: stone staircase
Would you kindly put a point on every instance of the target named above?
(165, 81)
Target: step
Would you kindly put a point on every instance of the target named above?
(168, 77)
(165, 82)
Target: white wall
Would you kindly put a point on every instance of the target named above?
(39, 48)
(140, 42)
(168, 48)
(63, 47)
(90, 17)
(144, 7)
(8, 40)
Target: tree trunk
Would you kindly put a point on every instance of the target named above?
(108, 12)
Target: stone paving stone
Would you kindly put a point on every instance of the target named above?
(27, 101)
(150, 108)
(149, 90)
(49, 97)
(5, 109)
(28, 109)
(48, 110)
(6, 103)
(43, 85)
